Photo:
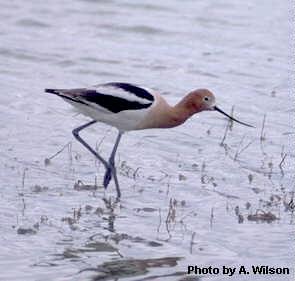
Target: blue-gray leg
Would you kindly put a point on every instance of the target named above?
(109, 166)
(111, 170)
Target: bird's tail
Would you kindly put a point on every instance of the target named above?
(72, 95)
(52, 91)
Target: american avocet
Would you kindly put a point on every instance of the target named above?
(129, 107)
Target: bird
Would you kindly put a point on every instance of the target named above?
(130, 107)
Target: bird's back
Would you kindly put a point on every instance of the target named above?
(121, 105)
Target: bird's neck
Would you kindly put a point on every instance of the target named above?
(172, 116)
(164, 115)
(182, 111)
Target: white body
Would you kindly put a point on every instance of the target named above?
(108, 103)
(126, 120)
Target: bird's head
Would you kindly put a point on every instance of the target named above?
(203, 99)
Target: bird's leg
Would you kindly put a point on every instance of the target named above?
(79, 139)
(111, 170)
(109, 166)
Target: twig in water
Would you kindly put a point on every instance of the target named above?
(203, 167)
(203, 173)
(209, 131)
(262, 134)
(167, 222)
(160, 221)
(229, 126)
(243, 149)
(231, 122)
(283, 155)
(237, 152)
(21, 194)
(98, 144)
(281, 164)
(70, 152)
(165, 175)
(225, 134)
(23, 178)
(211, 217)
(291, 204)
(135, 174)
(192, 242)
(270, 165)
(47, 160)
(282, 152)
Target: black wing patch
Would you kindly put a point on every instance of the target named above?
(112, 103)
(139, 92)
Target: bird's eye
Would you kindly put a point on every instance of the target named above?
(206, 98)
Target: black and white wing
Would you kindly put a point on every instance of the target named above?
(113, 97)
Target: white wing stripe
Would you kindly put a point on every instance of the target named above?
(115, 91)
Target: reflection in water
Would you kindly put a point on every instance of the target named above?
(110, 207)
(133, 267)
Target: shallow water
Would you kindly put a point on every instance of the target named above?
(190, 195)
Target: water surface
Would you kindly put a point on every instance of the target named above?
(200, 194)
